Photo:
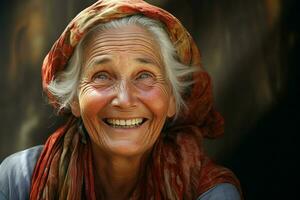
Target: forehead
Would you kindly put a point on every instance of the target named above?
(131, 39)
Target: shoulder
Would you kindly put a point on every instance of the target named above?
(223, 191)
(16, 171)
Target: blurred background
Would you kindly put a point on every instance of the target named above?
(249, 47)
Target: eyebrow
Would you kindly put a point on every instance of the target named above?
(101, 60)
(98, 61)
(144, 60)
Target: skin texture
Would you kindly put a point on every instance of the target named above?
(122, 78)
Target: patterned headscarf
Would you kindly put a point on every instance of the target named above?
(178, 167)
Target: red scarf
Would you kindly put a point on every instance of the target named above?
(177, 167)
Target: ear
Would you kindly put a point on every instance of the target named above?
(172, 107)
(75, 108)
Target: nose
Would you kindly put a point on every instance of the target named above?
(124, 97)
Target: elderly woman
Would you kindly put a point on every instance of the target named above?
(128, 75)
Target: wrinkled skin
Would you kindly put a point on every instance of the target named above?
(123, 78)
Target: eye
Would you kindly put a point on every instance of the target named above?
(101, 76)
(145, 75)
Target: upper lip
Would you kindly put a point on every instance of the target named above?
(120, 117)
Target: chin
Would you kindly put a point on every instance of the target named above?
(126, 148)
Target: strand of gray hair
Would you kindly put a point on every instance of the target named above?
(64, 86)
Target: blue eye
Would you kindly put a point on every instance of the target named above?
(145, 75)
(101, 76)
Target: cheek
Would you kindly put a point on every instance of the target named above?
(156, 99)
(92, 101)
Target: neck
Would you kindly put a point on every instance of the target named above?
(115, 173)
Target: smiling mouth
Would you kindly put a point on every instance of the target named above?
(124, 123)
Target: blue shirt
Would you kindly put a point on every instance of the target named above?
(16, 171)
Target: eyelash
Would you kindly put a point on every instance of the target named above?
(149, 75)
(102, 74)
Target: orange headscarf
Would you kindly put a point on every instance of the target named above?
(178, 167)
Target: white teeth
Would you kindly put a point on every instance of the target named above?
(123, 122)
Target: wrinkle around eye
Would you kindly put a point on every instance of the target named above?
(102, 76)
(86, 85)
(146, 84)
(149, 75)
(161, 79)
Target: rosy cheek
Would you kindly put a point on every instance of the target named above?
(156, 99)
(93, 100)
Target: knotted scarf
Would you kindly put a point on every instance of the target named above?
(177, 167)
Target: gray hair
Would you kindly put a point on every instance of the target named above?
(64, 86)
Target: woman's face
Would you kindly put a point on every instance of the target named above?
(123, 96)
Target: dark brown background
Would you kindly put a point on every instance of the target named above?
(248, 46)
